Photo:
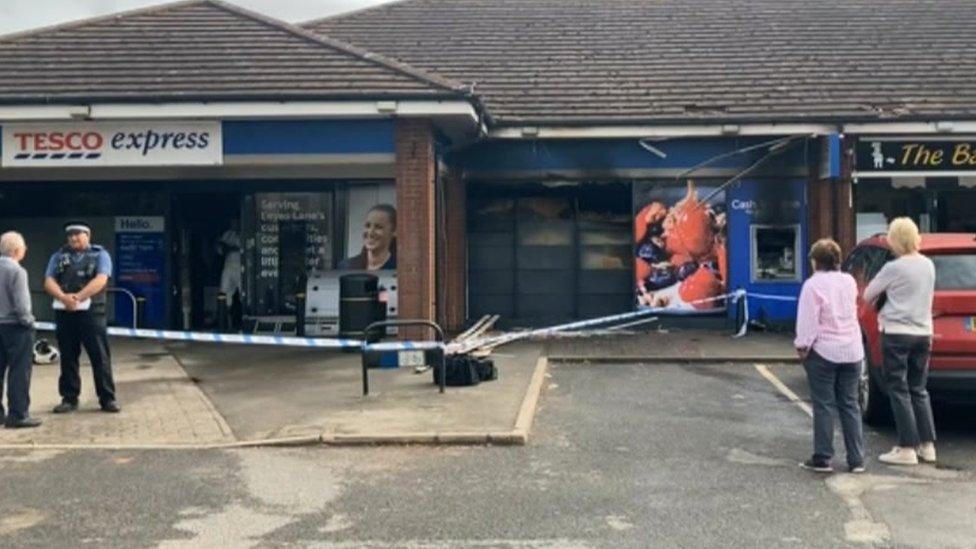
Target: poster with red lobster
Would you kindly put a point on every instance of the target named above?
(680, 247)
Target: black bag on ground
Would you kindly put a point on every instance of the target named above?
(486, 369)
(460, 371)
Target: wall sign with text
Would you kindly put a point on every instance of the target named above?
(885, 157)
(99, 144)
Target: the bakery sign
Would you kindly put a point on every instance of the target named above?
(891, 157)
(99, 144)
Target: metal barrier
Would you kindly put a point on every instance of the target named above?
(138, 303)
(395, 355)
(133, 299)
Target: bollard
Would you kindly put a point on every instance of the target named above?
(140, 319)
(222, 312)
(300, 314)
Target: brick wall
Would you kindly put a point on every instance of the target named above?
(831, 204)
(416, 199)
(453, 273)
(844, 228)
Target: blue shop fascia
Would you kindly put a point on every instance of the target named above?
(579, 228)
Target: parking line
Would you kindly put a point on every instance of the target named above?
(782, 388)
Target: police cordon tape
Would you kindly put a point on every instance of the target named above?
(241, 339)
(494, 341)
(453, 348)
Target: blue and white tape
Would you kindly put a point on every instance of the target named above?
(241, 339)
(468, 346)
(404, 346)
(457, 348)
(744, 296)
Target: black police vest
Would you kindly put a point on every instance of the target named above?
(74, 274)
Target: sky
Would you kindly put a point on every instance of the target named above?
(19, 15)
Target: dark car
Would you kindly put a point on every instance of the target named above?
(952, 370)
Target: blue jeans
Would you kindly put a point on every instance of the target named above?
(833, 388)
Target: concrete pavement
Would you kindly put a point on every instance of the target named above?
(192, 395)
(161, 406)
(623, 455)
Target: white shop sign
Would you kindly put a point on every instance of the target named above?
(81, 144)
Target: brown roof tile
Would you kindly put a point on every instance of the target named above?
(629, 61)
(198, 50)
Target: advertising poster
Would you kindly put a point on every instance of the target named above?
(140, 267)
(293, 238)
(680, 235)
(371, 229)
(371, 238)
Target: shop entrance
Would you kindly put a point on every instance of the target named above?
(937, 205)
(543, 254)
(206, 258)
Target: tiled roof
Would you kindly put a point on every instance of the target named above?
(681, 61)
(198, 50)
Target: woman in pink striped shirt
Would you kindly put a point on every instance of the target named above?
(828, 339)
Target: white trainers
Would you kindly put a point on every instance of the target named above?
(926, 452)
(899, 456)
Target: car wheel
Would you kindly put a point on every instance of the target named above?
(873, 402)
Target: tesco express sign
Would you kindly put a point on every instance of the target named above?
(79, 144)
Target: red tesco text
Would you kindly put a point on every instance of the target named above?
(144, 141)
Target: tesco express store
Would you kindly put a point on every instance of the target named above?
(182, 204)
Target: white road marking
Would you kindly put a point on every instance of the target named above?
(619, 523)
(20, 519)
(861, 528)
(782, 388)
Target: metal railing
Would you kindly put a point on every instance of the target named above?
(118, 290)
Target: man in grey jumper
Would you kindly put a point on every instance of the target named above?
(16, 332)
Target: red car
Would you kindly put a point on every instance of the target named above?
(952, 370)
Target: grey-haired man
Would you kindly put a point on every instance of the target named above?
(16, 332)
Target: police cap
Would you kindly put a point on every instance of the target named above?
(72, 227)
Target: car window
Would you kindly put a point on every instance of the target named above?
(875, 258)
(854, 264)
(955, 272)
(865, 262)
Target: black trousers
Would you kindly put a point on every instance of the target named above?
(16, 348)
(86, 329)
(906, 371)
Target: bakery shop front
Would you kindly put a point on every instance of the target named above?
(561, 230)
(931, 179)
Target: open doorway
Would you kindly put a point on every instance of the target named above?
(207, 258)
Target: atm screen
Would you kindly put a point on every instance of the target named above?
(776, 253)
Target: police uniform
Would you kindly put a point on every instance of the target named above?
(73, 270)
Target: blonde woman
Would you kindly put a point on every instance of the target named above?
(905, 320)
(828, 341)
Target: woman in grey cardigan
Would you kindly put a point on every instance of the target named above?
(906, 340)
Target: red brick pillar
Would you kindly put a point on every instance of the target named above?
(821, 209)
(453, 267)
(416, 166)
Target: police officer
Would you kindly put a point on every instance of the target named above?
(76, 277)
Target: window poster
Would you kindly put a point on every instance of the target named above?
(681, 259)
(292, 239)
(371, 229)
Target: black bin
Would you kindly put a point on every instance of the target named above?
(359, 298)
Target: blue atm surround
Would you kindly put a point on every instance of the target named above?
(766, 202)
